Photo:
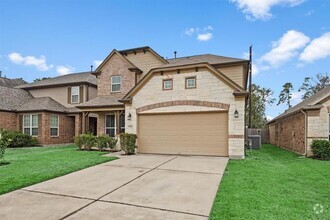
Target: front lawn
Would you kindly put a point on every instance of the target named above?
(33, 165)
(274, 184)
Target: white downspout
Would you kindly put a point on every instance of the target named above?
(305, 131)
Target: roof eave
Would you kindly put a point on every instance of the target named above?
(313, 107)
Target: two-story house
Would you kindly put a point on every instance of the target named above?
(46, 109)
(190, 105)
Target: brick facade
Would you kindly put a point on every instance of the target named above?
(115, 66)
(68, 126)
(289, 133)
(8, 120)
(272, 134)
(66, 129)
(183, 102)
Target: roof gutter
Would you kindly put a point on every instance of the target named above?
(314, 107)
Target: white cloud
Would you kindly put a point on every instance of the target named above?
(285, 48)
(269, 118)
(189, 31)
(319, 48)
(63, 70)
(97, 63)
(205, 37)
(40, 63)
(260, 9)
(309, 13)
(202, 34)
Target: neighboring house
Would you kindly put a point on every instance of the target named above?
(11, 83)
(297, 127)
(46, 109)
(190, 105)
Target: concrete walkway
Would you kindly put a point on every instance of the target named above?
(133, 187)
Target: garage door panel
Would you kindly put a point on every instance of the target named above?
(189, 133)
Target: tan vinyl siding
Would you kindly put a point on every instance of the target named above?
(59, 94)
(144, 61)
(235, 73)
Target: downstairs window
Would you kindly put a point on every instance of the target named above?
(110, 125)
(54, 125)
(30, 125)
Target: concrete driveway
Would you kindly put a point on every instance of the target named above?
(133, 187)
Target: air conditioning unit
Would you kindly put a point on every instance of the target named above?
(255, 140)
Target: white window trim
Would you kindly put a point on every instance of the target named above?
(164, 83)
(329, 127)
(31, 126)
(116, 83)
(187, 84)
(75, 94)
(105, 123)
(58, 126)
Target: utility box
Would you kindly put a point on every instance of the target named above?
(255, 140)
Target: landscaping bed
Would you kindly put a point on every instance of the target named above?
(273, 183)
(33, 165)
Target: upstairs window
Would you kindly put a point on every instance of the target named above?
(54, 124)
(75, 94)
(191, 82)
(167, 84)
(30, 125)
(115, 83)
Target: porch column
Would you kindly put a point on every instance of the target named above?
(117, 113)
(77, 122)
(84, 124)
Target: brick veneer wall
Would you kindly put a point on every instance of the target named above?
(66, 129)
(272, 134)
(8, 120)
(183, 102)
(291, 133)
(115, 66)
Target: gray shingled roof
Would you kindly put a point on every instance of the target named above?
(83, 77)
(209, 58)
(309, 103)
(11, 82)
(11, 99)
(102, 101)
(42, 104)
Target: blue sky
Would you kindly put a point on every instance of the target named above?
(291, 38)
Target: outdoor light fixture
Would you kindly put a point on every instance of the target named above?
(129, 116)
(236, 114)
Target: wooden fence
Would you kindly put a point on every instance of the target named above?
(264, 133)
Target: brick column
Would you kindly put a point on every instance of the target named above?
(77, 124)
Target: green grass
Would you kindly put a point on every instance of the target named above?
(273, 184)
(33, 165)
